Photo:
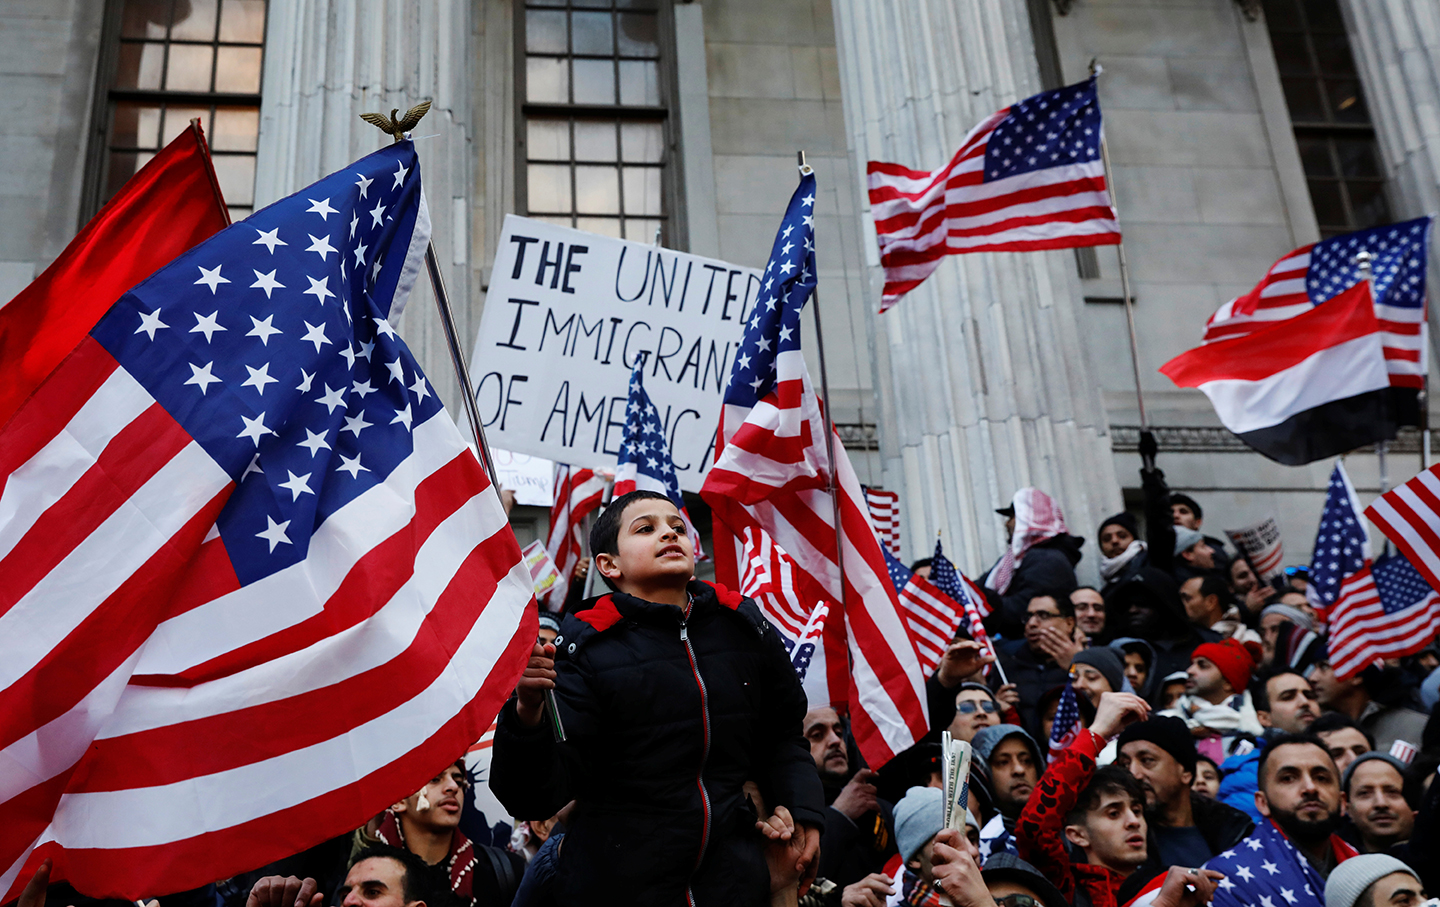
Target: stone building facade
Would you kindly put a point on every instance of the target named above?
(1238, 130)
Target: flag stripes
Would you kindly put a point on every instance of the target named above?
(885, 515)
(1409, 515)
(578, 492)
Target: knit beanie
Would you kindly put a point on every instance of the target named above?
(1232, 658)
(919, 816)
(1123, 519)
(1105, 660)
(1350, 879)
(1185, 539)
(1167, 732)
(1370, 757)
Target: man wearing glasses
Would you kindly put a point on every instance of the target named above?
(1042, 659)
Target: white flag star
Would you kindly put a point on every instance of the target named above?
(320, 245)
(269, 239)
(259, 377)
(314, 443)
(377, 214)
(151, 323)
(266, 282)
(360, 251)
(202, 377)
(211, 278)
(403, 415)
(297, 485)
(207, 325)
(254, 429)
(351, 466)
(263, 329)
(364, 390)
(363, 183)
(305, 379)
(253, 467)
(354, 222)
(419, 388)
(319, 288)
(334, 398)
(322, 208)
(316, 334)
(356, 424)
(274, 533)
(397, 371)
(399, 174)
(383, 327)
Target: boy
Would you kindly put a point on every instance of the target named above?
(673, 693)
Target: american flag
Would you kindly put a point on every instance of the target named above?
(1410, 517)
(930, 614)
(1403, 621)
(644, 462)
(312, 549)
(771, 473)
(794, 604)
(578, 492)
(1320, 271)
(1264, 869)
(962, 589)
(1342, 584)
(885, 514)
(1067, 723)
(1030, 176)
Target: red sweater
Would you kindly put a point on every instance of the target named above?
(1040, 833)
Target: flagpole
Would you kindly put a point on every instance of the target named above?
(1124, 278)
(805, 170)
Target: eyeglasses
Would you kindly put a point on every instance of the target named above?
(1044, 616)
(969, 707)
(1020, 900)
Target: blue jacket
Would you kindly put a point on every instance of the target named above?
(1239, 781)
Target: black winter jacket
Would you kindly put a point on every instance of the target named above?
(1048, 568)
(666, 718)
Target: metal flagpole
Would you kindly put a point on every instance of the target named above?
(806, 170)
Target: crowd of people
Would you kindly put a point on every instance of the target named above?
(1216, 756)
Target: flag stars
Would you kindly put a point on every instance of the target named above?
(362, 390)
(399, 174)
(259, 378)
(255, 429)
(322, 208)
(211, 278)
(320, 245)
(320, 289)
(151, 323)
(383, 327)
(404, 417)
(356, 424)
(315, 333)
(269, 239)
(397, 371)
(266, 282)
(202, 377)
(363, 183)
(333, 398)
(360, 251)
(377, 215)
(207, 325)
(420, 389)
(354, 222)
(351, 466)
(274, 533)
(305, 379)
(263, 329)
(297, 485)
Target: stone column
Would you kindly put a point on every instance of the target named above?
(327, 61)
(983, 385)
(1396, 44)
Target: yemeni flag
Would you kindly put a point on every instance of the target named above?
(1302, 389)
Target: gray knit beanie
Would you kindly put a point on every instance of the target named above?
(919, 816)
(1350, 879)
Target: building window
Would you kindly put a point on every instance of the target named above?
(594, 139)
(172, 61)
(1329, 114)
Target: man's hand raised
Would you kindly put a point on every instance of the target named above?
(279, 891)
(539, 676)
(963, 658)
(858, 797)
(1116, 711)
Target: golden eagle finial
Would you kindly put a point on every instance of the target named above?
(394, 128)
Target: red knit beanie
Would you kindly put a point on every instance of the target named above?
(1232, 658)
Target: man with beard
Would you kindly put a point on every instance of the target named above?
(1377, 803)
(1188, 830)
(1287, 859)
(1284, 704)
(857, 838)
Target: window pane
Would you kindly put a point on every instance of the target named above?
(594, 82)
(1325, 196)
(637, 4)
(123, 165)
(642, 142)
(177, 120)
(243, 20)
(642, 190)
(592, 34)
(637, 36)
(545, 32)
(547, 140)
(1315, 157)
(236, 173)
(235, 129)
(605, 226)
(1303, 98)
(1347, 104)
(597, 190)
(545, 3)
(1333, 52)
(1357, 157)
(238, 69)
(546, 80)
(561, 220)
(1291, 54)
(189, 68)
(194, 21)
(548, 187)
(144, 18)
(642, 229)
(135, 126)
(1367, 203)
(140, 65)
(594, 141)
(639, 83)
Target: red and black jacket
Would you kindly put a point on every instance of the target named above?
(667, 715)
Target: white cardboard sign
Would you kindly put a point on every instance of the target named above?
(531, 478)
(566, 315)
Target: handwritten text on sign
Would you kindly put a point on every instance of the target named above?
(566, 316)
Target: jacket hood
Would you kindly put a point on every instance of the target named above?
(987, 738)
(1152, 682)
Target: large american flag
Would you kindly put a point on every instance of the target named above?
(1264, 869)
(644, 462)
(256, 585)
(931, 615)
(1030, 176)
(1318, 272)
(1409, 515)
(1342, 584)
(578, 492)
(771, 473)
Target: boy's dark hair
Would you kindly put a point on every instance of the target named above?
(415, 883)
(1334, 721)
(1212, 583)
(1260, 690)
(1108, 779)
(1177, 497)
(605, 534)
(1308, 738)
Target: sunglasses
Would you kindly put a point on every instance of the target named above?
(969, 707)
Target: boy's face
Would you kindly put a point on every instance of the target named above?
(653, 544)
(1113, 833)
(1135, 670)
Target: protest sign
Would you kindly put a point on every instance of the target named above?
(531, 478)
(566, 315)
(543, 572)
(1262, 547)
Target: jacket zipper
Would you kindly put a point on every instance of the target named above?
(705, 745)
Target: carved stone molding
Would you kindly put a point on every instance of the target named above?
(1190, 439)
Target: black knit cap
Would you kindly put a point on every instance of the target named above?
(1167, 732)
(1123, 518)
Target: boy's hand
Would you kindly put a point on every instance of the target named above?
(539, 676)
(782, 849)
(1187, 887)
(870, 891)
(808, 865)
(1116, 711)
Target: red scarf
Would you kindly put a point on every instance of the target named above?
(459, 863)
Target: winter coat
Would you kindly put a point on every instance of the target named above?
(1239, 781)
(1047, 568)
(1220, 824)
(1174, 638)
(667, 715)
(1033, 675)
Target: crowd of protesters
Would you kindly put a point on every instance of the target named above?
(1218, 757)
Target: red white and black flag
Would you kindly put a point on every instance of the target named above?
(1303, 389)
